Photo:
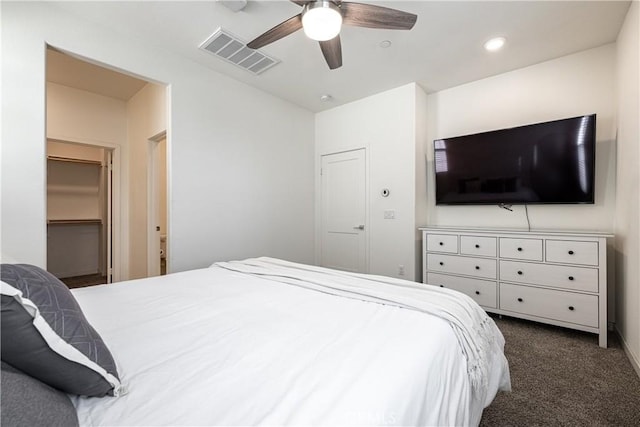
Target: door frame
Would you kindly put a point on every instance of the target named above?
(153, 244)
(319, 203)
(119, 239)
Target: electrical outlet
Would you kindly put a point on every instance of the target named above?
(389, 214)
(401, 270)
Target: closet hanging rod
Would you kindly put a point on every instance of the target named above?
(71, 160)
(74, 221)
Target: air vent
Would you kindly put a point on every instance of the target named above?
(235, 51)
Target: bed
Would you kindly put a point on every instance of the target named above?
(270, 342)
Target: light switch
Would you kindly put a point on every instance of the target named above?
(389, 214)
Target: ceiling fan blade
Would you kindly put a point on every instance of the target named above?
(281, 30)
(366, 15)
(332, 51)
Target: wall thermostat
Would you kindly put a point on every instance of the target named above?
(385, 192)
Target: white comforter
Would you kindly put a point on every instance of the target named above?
(217, 347)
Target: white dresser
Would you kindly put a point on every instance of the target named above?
(554, 277)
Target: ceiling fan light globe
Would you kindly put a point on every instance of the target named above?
(321, 21)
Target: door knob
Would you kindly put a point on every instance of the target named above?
(359, 227)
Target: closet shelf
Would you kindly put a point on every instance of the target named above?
(74, 221)
(88, 191)
(71, 160)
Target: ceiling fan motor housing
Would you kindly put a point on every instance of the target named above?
(323, 19)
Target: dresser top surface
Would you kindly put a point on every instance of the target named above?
(508, 231)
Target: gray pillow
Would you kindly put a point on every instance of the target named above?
(30, 403)
(45, 334)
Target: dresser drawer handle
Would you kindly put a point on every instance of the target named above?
(570, 277)
(441, 263)
(519, 299)
(477, 267)
(441, 243)
(519, 249)
(571, 308)
(519, 272)
(477, 292)
(570, 252)
(477, 246)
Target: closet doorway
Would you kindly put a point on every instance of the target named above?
(79, 213)
(90, 103)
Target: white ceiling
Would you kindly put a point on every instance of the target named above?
(69, 71)
(443, 50)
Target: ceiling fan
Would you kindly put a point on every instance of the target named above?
(322, 20)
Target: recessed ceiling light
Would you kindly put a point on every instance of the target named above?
(495, 44)
(326, 98)
(385, 44)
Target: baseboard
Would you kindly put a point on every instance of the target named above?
(634, 362)
(74, 273)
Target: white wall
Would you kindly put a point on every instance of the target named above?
(74, 114)
(385, 125)
(74, 151)
(627, 214)
(422, 146)
(573, 85)
(241, 160)
(146, 118)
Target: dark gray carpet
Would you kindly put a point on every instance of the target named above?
(561, 377)
(82, 281)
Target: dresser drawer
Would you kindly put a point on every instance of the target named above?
(570, 252)
(529, 249)
(564, 306)
(442, 243)
(478, 267)
(484, 292)
(482, 246)
(557, 276)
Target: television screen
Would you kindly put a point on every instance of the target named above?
(551, 162)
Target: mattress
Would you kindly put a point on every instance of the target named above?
(220, 347)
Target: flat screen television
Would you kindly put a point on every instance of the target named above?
(551, 162)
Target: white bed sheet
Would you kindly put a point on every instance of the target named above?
(215, 347)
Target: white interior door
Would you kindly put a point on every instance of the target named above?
(157, 204)
(109, 216)
(344, 211)
(153, 218)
